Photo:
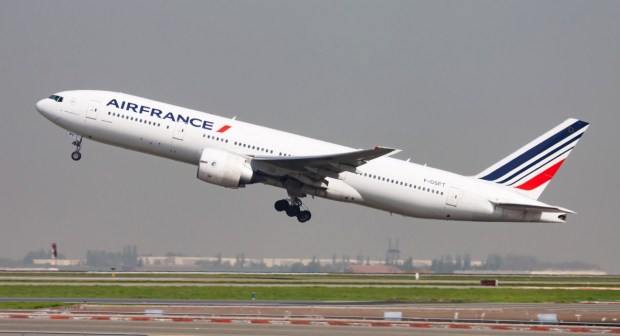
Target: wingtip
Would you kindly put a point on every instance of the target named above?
(387, 150)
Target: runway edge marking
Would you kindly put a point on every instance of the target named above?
(333, 323)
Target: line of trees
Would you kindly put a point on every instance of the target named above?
(497, 262)
(127, 260)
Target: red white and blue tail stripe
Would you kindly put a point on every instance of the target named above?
(529, 169)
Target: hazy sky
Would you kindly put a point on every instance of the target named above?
(454, 84)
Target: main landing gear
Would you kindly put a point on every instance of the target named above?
(76, 155)
(293, 208)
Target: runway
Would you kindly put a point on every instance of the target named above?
(102, 316)
(135, 328)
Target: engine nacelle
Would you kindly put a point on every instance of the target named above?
(223, 168)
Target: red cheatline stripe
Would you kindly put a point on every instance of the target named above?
(223, 129)
(541, 178)
(221, 320)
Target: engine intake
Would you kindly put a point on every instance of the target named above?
(223, 168)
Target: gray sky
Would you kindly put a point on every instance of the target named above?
(457, 85)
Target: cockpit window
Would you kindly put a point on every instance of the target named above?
(56, 98)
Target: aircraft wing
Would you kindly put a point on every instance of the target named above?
(532, 207)
(326, 164)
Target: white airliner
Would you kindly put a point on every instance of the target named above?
(232, 154)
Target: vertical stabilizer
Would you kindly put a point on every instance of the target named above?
(530, 169)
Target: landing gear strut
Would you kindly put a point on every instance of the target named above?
(76, 155)
(293, 208)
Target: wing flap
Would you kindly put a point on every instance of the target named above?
(332, 162)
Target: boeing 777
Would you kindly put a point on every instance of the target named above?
(232, 154)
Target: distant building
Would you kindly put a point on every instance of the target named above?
(542, 272)
(57, 262)
(374, 269)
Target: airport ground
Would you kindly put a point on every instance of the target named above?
(106, 302)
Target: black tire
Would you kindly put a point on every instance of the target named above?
(76, 156)
(292, 210)
(304, 216)
(281, 205)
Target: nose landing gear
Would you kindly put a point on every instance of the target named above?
(76, 155)
(293, 208)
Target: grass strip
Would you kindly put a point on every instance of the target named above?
(498, 295)
(276, 276)
(308, 282)
(28, 305)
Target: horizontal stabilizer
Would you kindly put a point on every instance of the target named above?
(532, 207)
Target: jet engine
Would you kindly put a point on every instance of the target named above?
(223, 168)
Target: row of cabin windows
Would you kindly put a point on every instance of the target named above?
(262, 149)
(404, 184)
(214, 138)
(257, 148)
(143, 121)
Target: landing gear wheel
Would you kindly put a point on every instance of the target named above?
(293, 207)
(292, 210)
(281, 205)
(304, 216)
(76, 156)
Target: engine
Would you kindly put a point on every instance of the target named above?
(225, 169)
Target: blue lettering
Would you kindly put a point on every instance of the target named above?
(154, 112)
(182, 118)
(170, 116)
(113, 102)
(158, 113)
(132, 106)
(195, 120)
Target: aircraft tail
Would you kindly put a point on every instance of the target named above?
(530, 169)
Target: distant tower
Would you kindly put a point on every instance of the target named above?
(393, 253)
(54, 255)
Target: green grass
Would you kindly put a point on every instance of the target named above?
(28, 305)
(284, 277)
(314, 293)
(317, 282)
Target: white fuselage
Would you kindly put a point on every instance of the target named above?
(181, 134)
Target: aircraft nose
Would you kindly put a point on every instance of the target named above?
(40, 105)
(46, 108)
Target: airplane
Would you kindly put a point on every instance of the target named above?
(233, 154)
